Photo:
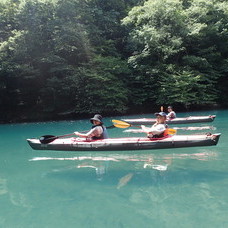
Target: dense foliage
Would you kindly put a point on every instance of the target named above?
(59, 58)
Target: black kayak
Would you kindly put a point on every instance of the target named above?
(183, 120)
(130, 143)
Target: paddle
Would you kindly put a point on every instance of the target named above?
(45, 139)
(123, 124)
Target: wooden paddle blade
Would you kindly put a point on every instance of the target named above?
(171, 131)
(45, 139)
(121, 124)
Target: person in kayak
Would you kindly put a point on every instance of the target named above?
(98, 130)
(171, 114)
(158, 130)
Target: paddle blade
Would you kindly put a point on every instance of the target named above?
(45, 139)
(170, 131)
(120, 124)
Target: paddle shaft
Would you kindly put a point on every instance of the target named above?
(123, 124)
(50, 138)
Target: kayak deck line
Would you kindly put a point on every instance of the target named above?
(130, 143)
(180, 120)
(175, 128)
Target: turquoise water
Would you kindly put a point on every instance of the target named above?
(185, 187)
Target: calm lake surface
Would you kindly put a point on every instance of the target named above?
(185, 187)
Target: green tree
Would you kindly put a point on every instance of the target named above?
(173, 44)
(50, 58)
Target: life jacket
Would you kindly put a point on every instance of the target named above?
(104, 134)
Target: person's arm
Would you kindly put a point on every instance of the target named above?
(93, 132)
(145, 129)
(83, 135)
(155, 129)
(158, 129)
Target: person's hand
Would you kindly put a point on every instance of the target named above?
(145, 129)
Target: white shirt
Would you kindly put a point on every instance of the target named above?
(156, 129)
(171, 115)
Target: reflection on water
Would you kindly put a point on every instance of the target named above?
(99, 169)
(147, 158)
(20, 199)
(16, 198)
(3, 187)
(100, 162)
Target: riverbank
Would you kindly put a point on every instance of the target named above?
(29, 116)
